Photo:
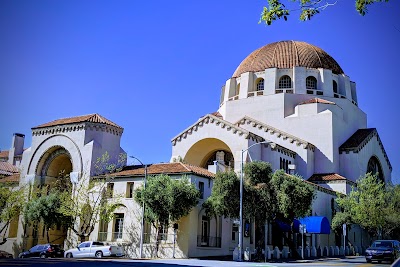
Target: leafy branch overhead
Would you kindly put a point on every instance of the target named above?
(276, 9)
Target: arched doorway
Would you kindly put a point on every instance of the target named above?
(53, 168)
(206, 151)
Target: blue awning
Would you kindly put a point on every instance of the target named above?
(316, 224)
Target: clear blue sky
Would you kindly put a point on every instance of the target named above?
(155, 67)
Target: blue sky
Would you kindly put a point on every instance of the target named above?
(155, 67)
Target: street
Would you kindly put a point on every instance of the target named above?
(349, 261)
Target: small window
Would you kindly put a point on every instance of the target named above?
(285, 82)
(237, 89)
(311, 83)
(334, 85)
(130, 189)
(201, 189)
(110, 190)
(260, 85)
(164, 233)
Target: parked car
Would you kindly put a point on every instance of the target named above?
(93, 249)
(43, 251)
(5, 255)
(383, 250)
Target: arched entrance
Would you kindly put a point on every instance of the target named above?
(206, 151)
(53, 168)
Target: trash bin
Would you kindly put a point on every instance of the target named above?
(247, 254)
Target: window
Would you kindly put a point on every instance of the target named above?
(110, 190)
(130, 189)
(235, 230)
(118, 225)
(205, 229)
(201, 189)
(164, 233)
(334, 85)
(285, 82)
(311, 83)
(237, 89)
(260, 85)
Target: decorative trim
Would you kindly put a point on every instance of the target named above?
(279, 133)
(211, 119)
(77, 127)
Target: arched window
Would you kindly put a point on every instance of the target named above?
(260, 85)
(285, 82)
(334, 85)
(374, 167)
(311, 83)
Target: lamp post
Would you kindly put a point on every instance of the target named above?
(143, 207)
(241, 199)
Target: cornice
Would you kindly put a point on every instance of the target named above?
(280, 134)
(75, 127)
(211, 119)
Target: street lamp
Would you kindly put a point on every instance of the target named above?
(142, 226)
(241, 199)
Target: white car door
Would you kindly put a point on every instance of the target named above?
(83, 250)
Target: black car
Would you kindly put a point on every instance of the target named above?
(383, 250)
(43, 251)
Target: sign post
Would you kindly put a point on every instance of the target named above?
(303, 230)
(344, 239)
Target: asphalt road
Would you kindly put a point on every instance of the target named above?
(350, 261)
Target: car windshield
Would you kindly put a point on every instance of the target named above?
(386, 244)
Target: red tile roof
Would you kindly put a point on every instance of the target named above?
(319, 177)
(165, 168)
(7, 168)
(317, 100)
(4, 154)
(95, 118)
(10, 179)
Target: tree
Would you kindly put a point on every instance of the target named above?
(372, 205)
(87, 202)
(11, 203)
(308, 8)
(45, 208)
(267, 196)
(166, 201)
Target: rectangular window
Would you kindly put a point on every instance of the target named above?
(164, 233)
(130, 189)
(201, 189)
(235, 229)
(118, 225)
(110, 190)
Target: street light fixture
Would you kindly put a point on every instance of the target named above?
(241, 199)
(143, 207)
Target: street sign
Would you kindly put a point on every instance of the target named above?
(302, 229)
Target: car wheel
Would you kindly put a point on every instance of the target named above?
(69, 255)
(43, 256)
(99, 254)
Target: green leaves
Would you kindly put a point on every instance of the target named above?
(372, 205)
(167, 199)
(266, 195)
(308, 8)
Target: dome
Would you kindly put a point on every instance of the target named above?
(288, 54)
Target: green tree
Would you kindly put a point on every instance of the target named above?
(166, 201)
(276, 9)
(11, 203)
(266, 195)
(370, 206)
(45, 208)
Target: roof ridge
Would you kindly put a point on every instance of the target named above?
(307, 144)
(184, 165)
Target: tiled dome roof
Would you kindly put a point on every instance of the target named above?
(287, 54)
